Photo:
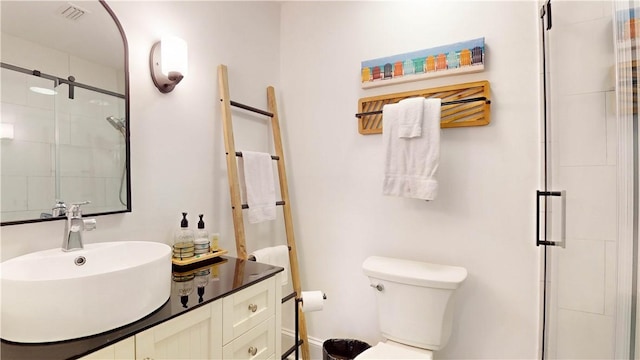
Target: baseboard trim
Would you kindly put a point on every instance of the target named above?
(315, 344)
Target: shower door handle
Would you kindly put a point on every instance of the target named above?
(545, 241)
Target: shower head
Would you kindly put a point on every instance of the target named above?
(118, 124)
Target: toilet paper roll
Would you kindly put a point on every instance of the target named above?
(312, 301)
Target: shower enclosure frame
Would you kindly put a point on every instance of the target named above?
(625, 334)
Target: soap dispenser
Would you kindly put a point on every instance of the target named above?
(183, 246)
(202, 242)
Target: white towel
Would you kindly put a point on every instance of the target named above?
(411, 113)
(276, 256)
(258, 180)
(410, 164)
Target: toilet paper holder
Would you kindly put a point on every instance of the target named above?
(324, 297)
(297, 342)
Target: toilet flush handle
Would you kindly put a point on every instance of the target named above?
(378, 287)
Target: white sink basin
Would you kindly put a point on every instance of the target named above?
(47, 297)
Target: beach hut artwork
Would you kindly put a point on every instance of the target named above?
(459, 58)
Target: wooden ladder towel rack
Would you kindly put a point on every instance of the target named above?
(234, 188)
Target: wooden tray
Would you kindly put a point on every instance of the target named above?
(198, 258)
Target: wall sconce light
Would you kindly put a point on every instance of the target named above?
(168, 62)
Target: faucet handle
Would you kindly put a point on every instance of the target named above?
(75, 211)
(81, 203)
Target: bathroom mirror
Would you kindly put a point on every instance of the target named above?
(64, 118)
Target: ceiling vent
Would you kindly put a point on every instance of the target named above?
(71, 12)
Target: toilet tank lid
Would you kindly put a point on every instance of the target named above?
(414, 272)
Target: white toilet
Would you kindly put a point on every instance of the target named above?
(415, 307)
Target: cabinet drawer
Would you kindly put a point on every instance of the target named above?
(257, 343)
(248, 308)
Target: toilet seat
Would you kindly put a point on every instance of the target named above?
(393, 350)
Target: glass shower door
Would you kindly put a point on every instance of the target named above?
(578, 197)
(92, 148)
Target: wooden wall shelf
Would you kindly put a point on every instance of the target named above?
(476, 113)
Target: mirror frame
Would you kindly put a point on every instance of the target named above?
(127, 129)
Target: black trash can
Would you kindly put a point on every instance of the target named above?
(343, 349)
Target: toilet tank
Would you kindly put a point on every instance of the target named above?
(415, 304)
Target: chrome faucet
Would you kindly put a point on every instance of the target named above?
(59, 209)
(74, 226)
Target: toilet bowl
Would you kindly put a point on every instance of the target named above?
(415, 306)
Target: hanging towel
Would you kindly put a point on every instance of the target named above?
(276, 256)
(261, 193)
(410, 113)
(410, 164)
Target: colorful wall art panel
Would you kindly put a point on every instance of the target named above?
(459, 58)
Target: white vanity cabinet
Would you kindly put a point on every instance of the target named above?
(196, 334)
(243, 325)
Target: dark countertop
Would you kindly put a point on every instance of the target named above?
(191, 287)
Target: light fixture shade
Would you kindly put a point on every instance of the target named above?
(168, 63)
(174, 55)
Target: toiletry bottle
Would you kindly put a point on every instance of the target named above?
(214, 241)
(183, 247)
(202, 243)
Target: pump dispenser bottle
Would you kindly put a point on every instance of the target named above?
(202, 242)
(183, 246)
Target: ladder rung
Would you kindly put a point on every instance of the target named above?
(289, 297)
(273, 157)
(250, 108)
(245, 206)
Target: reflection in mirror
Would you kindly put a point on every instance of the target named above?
(64, 111)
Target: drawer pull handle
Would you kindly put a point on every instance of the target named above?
(253, 307)
(253, 350)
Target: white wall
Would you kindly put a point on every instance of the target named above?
(484, 216)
